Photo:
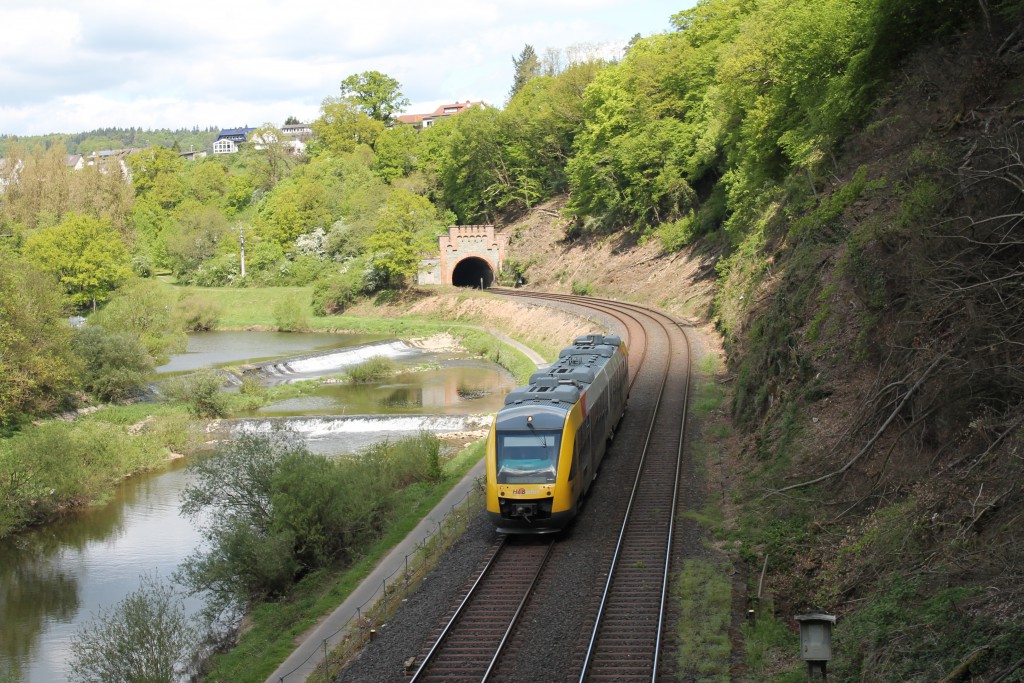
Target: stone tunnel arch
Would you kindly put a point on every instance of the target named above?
(471, 270)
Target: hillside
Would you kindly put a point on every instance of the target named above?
(872, 327)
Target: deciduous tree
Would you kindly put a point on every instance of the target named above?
(85, 254)
(145, 638)
(374, 93)
(343, 126)
(407, 224)
(38, 370)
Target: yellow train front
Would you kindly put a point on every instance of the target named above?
(547, 442)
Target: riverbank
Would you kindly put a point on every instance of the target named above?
(100, 449)
(166, 430)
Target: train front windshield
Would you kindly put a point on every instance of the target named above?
(527, 457)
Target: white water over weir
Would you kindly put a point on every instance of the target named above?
(320, 363)
(349, 433)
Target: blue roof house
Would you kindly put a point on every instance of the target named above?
(229, 139)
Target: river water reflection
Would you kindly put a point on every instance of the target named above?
(54, 580)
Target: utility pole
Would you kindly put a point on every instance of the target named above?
(241, 244)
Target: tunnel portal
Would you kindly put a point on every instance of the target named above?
(470, 271)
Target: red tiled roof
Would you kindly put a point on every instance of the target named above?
(439, 112)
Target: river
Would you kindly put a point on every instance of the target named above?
(55, 579)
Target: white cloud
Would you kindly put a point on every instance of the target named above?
(73, 65)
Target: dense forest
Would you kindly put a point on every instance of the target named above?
(852, 169)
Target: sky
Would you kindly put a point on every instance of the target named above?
(70, 66)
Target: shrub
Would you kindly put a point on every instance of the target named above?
(290, 315)
(117, 364)
(336, 292)
(145, 637)
(197, 314)
(57, 465)
(273, 512)
(372, 370)
(201, 392)
(582, 288)
(143, 309)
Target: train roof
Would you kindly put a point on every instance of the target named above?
(563, 382)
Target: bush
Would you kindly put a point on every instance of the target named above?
(143, 309)
(117, 364)
(372, 370)
(197, 314)
(290, 315)
(201, 392)
(145, 637)
(336, 292)
(273, 512)
(582, 288)
(55, 466)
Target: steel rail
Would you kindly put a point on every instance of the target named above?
(515, 617)
(474, 593)
(672, 517)
(462, 606)
(622, 532)
(617, 309)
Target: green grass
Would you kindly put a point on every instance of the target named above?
(766, 640)
(276, 626)
(55, 466)
(704, 596)
(245, 308)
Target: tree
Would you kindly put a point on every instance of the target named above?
(406, 225)
(527, 66)
(396, 152)
(39, 186)
(116, 365)
(202, 232)
(85, 254)
(375, 94)
(343, 126)
(38, 370)
(143, 309)
(230, 495)
(156, 174)
(272, 159)
(145, 638)
(296, 206)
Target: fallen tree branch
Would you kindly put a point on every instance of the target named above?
(872, 440)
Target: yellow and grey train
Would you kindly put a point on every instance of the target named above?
(547, 442)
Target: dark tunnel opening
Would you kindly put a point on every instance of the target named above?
(470, 271)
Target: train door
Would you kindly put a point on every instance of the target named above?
(586, 453)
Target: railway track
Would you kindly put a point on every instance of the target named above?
(622, 624)
(473, 639)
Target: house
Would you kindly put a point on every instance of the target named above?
(293, 137)
(112, 159)
(229, 138)
(76, 162)
(420, 121)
